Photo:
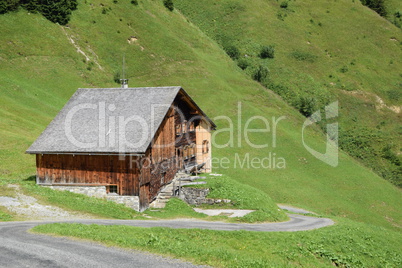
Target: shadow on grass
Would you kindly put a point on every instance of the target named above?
(31, 179)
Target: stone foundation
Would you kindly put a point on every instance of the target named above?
(129, 201)
(197, 196)
(100, 192)
(193, 196)
(93, 191)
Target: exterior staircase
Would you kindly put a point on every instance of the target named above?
(172, 189)
(167, 191)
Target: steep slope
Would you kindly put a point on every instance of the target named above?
(324, 50)
(42, 64)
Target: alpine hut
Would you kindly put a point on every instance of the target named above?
(128, 141)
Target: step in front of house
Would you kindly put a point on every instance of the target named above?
(167, 192)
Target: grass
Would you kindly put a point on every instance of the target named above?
(242, 197)
(40, 69)
(95, 207)
(5, 216)
(7, 191)
(323, 60)
(175, 208)
(348, 244)
(182, 54)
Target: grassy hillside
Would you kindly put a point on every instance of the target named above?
(42, 65)
(323, 50)
(40, 74)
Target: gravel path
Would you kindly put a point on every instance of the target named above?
(28, 208)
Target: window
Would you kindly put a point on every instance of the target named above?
(205, 147)
(111, 189)
(178, 129)
(185, 152)
(184, 126)
(163, 175)
(191, 127)
(193, 148)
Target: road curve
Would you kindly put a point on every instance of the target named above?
(18, 248)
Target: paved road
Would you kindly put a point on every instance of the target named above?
(21, 249)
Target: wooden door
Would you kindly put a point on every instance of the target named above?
(144, 197)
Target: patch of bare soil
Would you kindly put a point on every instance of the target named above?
(379, 103)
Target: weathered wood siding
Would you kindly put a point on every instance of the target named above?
(160, 164)
(145, 176)
(69, 169)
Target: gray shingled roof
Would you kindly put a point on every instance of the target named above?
(107, 120)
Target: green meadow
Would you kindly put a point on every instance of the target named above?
(329, 50)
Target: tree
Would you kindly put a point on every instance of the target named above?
(376, 5)
(168, 4)
(267, 52)
(57, 11)
(8, 5)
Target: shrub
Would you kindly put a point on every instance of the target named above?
(395, 94)
(55, 11)
(284, 4)
(168, 4)
(397, 19)
(232, 51)
(116, 77)
(344, 69)
(261, 73)
(303, 56)
(307, 106)
(134, 2)
(285, 92)
(376, 5)
(388, 154)
(243, 63)
(267, 52)
(91, 64)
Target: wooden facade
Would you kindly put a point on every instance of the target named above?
(91, 170)
(179, 141)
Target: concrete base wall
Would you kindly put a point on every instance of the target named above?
(100, 192)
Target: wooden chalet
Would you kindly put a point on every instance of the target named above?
(130, 140)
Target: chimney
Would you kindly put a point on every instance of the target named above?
(124, 83)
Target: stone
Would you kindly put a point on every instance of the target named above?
(100, 192)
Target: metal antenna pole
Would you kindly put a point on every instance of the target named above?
(124, 81)
(123, 65)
